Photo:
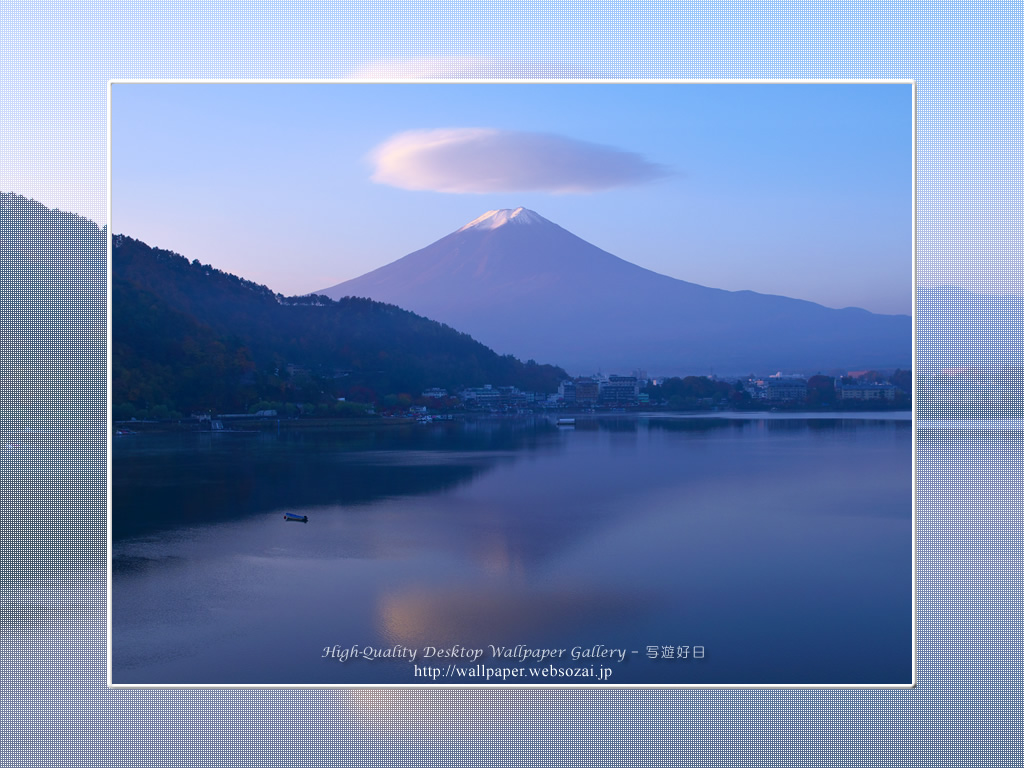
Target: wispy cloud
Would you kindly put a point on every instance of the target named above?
(483, 160)
(461, 67)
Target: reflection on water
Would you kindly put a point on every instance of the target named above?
(476, 617)
(783, 546)
(164, 481)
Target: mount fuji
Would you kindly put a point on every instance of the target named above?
(525, 286)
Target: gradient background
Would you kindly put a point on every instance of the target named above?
(55, 60)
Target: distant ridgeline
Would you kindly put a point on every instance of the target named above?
(189, 338)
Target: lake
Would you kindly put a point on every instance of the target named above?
(651, 549)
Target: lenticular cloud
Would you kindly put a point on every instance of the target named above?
(480, 160)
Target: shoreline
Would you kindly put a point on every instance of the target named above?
(263, 424)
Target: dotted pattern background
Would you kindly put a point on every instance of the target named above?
(55, 60)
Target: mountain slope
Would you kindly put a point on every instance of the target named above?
(187, 337)
(525, 286)
(52, 311)
(966, 329)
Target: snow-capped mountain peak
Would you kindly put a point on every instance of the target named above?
(541, 292)
(502, 216)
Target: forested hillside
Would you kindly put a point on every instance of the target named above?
(190, 338)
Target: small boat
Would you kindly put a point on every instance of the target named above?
(295, 518)
(567, 422)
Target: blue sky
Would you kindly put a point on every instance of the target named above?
(797, 189)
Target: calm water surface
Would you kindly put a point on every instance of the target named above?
(780, 545)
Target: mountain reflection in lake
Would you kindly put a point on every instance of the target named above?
(782, 546)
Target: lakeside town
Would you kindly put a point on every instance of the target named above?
(854, 390)
(687, 393)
